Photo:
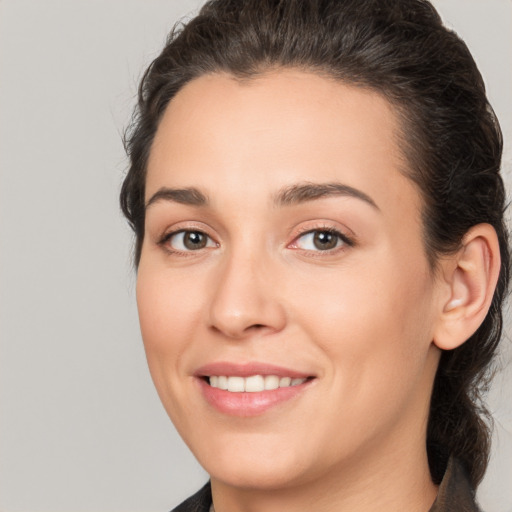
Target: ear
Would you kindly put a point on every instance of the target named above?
(471, 276)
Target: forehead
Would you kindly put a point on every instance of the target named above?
(276, 129)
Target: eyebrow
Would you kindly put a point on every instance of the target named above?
(308, 191)
(287, 196)
(189, 196)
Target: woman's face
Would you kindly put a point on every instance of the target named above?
(283, 247)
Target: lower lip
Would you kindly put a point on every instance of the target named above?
(249, 404)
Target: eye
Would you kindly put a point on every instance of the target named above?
(321, 240)
(188, 240)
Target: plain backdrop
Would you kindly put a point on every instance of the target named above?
(81, 427)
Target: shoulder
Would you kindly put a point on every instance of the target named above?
(199, 502)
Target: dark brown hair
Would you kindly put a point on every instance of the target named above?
(451, 140)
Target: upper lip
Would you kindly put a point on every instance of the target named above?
(248, 369)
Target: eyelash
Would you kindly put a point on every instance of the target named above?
(345, 240)
(167, 237)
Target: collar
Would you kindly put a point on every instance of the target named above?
(455, 493)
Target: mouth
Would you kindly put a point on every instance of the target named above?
(250, 389)
(253, 383)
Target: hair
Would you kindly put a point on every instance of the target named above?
(450, 138)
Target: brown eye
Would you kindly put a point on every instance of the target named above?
(325, 240)
(194, 240)
(185, 241)
(321, 240)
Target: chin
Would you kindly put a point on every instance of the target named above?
(257, 461)
(269, 474)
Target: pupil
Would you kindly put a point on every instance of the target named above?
(194, 240)
(324, 240)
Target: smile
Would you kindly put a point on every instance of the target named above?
(250, 389)
(253, 383)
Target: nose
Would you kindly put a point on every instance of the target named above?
(244, 300)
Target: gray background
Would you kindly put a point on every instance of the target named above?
(81, 428)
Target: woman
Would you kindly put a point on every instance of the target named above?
(315, 192)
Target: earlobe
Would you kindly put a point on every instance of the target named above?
(471, 275)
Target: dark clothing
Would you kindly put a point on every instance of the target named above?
(199, 502)
(455, 494)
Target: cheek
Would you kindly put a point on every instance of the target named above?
(167, 315)
(166, 302)
(374, 323)
(376, 335)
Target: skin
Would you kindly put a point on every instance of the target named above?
(361, 318)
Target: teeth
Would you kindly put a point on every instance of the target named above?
(222, 383)
(236, 384)
(271, 382)
(252, 384)
(285, 382)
